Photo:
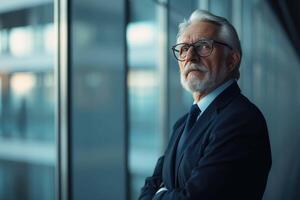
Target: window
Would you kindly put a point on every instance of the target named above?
(27, 101)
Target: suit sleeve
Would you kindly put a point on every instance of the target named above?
(152, 183)
(234, 165)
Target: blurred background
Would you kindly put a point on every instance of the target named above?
(87, 115)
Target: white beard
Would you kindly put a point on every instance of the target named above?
(193, 83)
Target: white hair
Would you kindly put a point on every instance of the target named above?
(227, 32)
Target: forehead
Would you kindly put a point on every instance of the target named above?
(199, 29)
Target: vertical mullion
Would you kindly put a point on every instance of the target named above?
(62, 115)
(126, 103)
(162, 9)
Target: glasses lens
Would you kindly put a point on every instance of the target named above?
(204, 48)
(180, 51)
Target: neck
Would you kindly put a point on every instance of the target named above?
(199, 95)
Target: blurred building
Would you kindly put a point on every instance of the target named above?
(89, 92)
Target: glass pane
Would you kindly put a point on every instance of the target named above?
(97, 63)
(143, 92)
(221, 8)
(27, 103)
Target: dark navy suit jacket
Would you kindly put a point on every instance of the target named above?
(227, 155)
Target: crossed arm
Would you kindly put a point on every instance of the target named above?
(235, 165)
(153, 183)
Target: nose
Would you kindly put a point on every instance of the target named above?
(191, 55)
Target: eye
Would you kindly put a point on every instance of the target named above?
(184, 48)
(204, 46)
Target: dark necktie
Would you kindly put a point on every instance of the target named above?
(191, 119)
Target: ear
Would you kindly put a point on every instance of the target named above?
(233, 59)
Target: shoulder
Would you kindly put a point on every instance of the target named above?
(250, 109)
(241, 111)
(241, 105)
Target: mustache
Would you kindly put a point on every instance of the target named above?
(193, 67)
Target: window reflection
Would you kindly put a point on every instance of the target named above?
(22, 83)
(143, 93)
(140, 34)
(21, 41)
(27, 143)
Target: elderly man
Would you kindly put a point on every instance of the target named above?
(220, 149)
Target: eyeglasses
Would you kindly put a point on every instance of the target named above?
(203, 48)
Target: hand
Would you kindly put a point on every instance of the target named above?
(159, 193)
(161, 190)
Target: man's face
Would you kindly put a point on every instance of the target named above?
(203, 74)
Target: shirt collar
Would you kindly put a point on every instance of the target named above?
(206, 101)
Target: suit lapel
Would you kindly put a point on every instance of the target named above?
(204, 120)
(170, 155)
(201, 124)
